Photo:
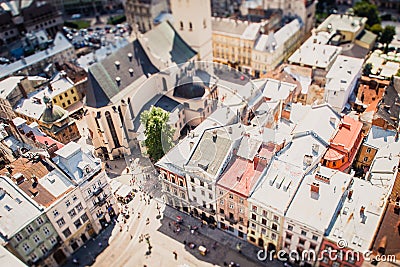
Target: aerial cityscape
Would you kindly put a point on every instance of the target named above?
(199, 133)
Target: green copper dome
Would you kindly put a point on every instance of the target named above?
(53, 113)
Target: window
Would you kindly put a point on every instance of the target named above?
(263, 231)
(79, 207)
(67, 232)
(18, 237)
(290, 227)
(72, 91)
(66, 94)
(368, 150)
(29, 229)
(94, 187)
(276, 218)
(46, 230)
(241, 210)
(221, 192)
(221, 202)
(61, 97)
(69, 102)
(304, 233)
(202, 192)
(313, 246)
(288, 236)
(263, 221)
(44, 249)
(89, 191)
(55, 101)
(74, 198)
(221, 211)
(60, 222)
(190, 26)
(241, 219)
(265, 213)
(39, 221)
(315, 238)
(204, 23)
(273, 236)
(33, 257)
(181, 25)
(53, 240)
(209, 187)
(63, 104)
(365, 159)
(84, 217)
(210, 196)
(302, 241)
(193, 189)
(195, 199)
(36, 238)
(26, 247)
(201, 183)
(183, 195)
(231, 206)
(67, 203)
(241, 201)
(274, 227)
(254, 208)
(192, 179)
(72, 213)
(78, 223)
(230, 196)
(335, 264)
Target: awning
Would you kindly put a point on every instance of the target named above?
(124, 191)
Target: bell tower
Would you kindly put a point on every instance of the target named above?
(192, 20)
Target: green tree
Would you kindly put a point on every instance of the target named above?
(376, 28)
(368, 10)
(158, 133)
(387, 36)
(367, 69)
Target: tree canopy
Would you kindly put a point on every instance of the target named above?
(388, 34)
(368, 10)
(158, 133)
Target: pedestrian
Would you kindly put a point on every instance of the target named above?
(120, 228)
(169, 224)
(127, 227)
(131, 237)
(175, 255)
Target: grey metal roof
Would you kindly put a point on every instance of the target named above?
(164, 42)
(103, 75)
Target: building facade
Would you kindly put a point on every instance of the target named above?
(142, 14)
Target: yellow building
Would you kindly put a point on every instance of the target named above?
(233, 42)
(63, 92)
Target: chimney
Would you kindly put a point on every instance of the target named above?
(130, 57)
(50, 87)
(9, 168)
(117, 64)
(350, 194)
(315, 188)
(22, 90)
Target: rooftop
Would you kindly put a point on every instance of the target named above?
(343, 72)
(116, 72)
(321, 204)
(278, 185)
(345, 139)
(60, 44)
(338, 22)
(211, 151)
(315, 55)
(166, 44)
(8, 259)
(358, 228)
(9, 84)
(321, 119)
(370, 90)
(277, 90)
(378, 137)
(235, 28)
(389, 107)
(50, 185)
(166, 103)
(17, 208)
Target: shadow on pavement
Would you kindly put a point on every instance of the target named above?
(87, 254)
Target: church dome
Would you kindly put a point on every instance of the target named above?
(52, 114)
(190, 87)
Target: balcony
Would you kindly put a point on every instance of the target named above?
(231, 220)
(98, 191)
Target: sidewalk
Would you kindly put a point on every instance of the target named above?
(247, 250)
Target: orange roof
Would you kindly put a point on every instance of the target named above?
(50, 141)
(240, 176)
(345, 139)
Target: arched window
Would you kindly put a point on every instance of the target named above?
(190, 26)
(181, 24)
(130, 108)
(204, 23)
(164, 83)
(112, 129)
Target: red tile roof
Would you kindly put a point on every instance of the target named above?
(50, 141)
(244, 169)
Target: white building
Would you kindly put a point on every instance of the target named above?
(313, 210)
(341, 81)
(79, 163)
(273, 48)
(272, 196)
(192, 19)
